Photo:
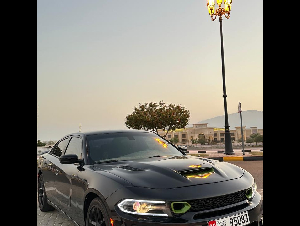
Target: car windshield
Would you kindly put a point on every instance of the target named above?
(127, 146)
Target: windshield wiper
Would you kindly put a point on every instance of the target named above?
(106, 161)
(155, 156)
(109, 161)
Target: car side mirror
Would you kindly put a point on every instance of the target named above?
(68, 159)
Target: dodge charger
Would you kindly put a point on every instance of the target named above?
(135, 177)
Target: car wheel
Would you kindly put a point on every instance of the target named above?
(42, 197)
(97, 214)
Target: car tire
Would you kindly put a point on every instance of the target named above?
(97, 214)
(42, 197)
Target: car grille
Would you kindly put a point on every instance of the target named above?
(217, 202)
(220, 212)
(217, 205)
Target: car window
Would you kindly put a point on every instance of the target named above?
(127, 146)
(59, 147)
(75, 147)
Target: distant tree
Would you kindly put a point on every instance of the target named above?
(40, 144)
(256, 137)
(51, 142)
(174, 140)
(201, 140)
(214, 142)
(154, 116)
(194, 141)
(249, 140)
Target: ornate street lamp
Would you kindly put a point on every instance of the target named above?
(220, 12)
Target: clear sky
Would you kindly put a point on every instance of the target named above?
(98, 59)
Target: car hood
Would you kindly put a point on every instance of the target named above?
(171, 172)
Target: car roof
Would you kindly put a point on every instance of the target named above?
(107, 132)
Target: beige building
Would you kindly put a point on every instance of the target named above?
(185, 136)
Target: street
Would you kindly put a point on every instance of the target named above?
(57, 218)
(256, 169)
(253, 167)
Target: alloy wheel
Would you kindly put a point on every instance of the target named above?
(96, 217)
(41, 191)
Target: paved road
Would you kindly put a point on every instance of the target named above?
(256, 169)
(253, 167)
(54, 217)
(57, 218)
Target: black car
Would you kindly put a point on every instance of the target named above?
(133, 177)
(182, 148)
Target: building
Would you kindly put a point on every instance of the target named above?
(209, 134)
(246, 132)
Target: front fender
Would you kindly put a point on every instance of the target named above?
(99, 185)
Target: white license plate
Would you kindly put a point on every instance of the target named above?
(239, 219)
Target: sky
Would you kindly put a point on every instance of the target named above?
(98, 59)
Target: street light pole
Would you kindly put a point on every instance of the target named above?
(37, 121)
(228, 144)
(220, 12)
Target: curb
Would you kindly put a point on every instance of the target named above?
(252, 150)
(196, 152)
(237, 158)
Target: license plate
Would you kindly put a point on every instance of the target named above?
(239, 219)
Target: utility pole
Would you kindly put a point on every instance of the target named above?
(240, 111)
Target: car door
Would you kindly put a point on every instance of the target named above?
(78, 182)
(50, 170)
(64, 173)
(70, 186)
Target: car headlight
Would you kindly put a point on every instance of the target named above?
(144, 207)
(250, 193)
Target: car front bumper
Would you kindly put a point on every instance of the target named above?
(254, 208)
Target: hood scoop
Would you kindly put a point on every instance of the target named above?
(197, 172)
